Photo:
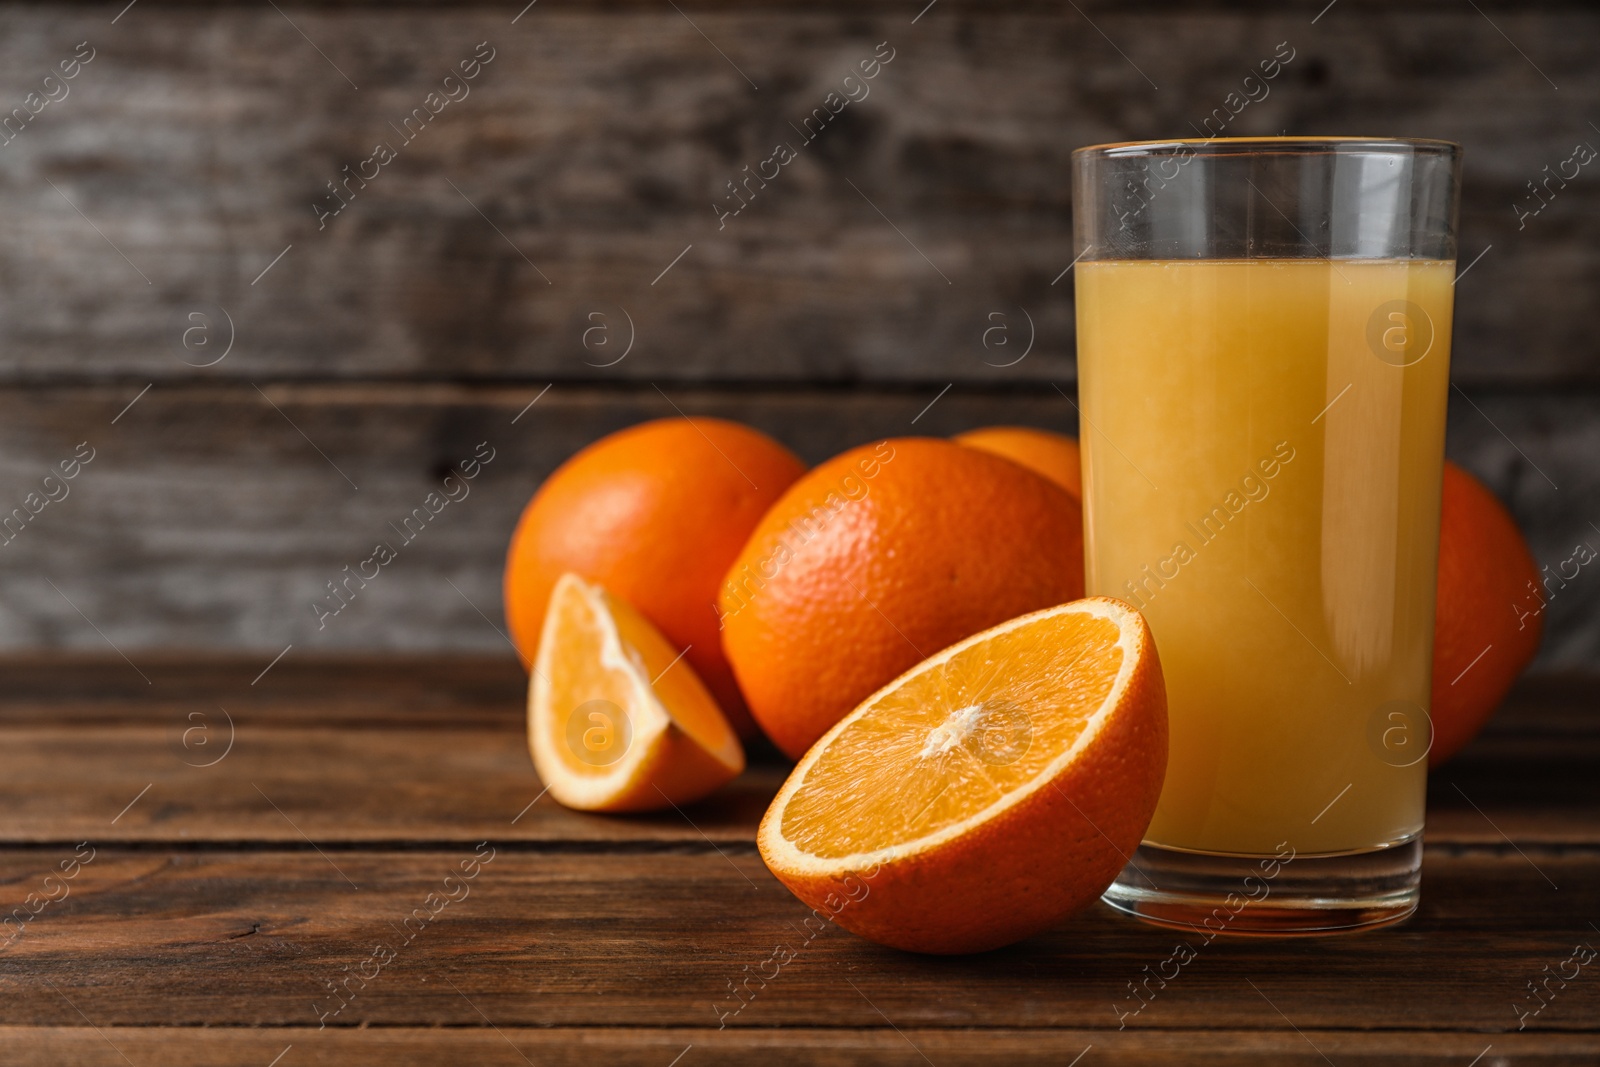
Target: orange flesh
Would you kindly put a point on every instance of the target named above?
(685, 701)
(577, 676)
(579, 672)
(988, 721)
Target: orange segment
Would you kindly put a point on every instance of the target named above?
(617, 719)
(988, 792)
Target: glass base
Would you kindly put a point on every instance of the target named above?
(1284, 895)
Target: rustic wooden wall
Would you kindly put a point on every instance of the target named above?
(144, 214)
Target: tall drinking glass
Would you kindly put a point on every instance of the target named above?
(1263, 360)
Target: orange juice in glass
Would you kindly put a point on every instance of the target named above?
(1263, 346)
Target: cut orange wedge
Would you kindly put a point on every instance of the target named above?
(617, 719)
(993, 789)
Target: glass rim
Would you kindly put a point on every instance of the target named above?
(1243, 146)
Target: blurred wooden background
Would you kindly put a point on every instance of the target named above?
(160, 214)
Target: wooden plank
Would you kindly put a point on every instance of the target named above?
(654, 1047)
(209, 938)
(293, 784)
(469, 691)
(200, 756)
(597, 142)
(214, 516)
(1527, 777)
(84, 692)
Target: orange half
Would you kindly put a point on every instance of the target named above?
(617, 719)
(988, 792)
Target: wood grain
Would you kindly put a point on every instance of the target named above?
(201, 757)
(655, 1047)
(195, 931)
(591, 150)
(214, 516)
(221, 901)
(220, 937)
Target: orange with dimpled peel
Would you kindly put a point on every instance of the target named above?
(878, 557)
(656, 513)
(1484, 564)
(1054, 455)
(987, 793)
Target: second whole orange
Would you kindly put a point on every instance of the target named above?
(880, 557)
(1054, 455)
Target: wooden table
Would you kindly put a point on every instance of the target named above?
(210, 910)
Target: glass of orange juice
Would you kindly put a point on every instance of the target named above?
(1263, 361)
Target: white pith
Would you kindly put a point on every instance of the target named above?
(941, 738)
(953, 732)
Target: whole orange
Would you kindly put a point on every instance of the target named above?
(656, 514)
(879, 558)
(1489, 613)
(1054, 455)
